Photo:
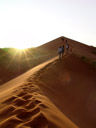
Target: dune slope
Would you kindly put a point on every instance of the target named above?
(24, 105)
(70, 84)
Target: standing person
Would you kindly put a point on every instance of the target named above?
(67, 46)
(62, 50)
(59, 51)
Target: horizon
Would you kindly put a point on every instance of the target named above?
(28, 24)
(46, 43)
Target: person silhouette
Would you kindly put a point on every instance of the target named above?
(67, 46)
(59, 51)
(62, 50)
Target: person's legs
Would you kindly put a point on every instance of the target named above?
(59, 55)
(62, 53)
(66, 50)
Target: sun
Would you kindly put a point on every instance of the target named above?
(20, 47)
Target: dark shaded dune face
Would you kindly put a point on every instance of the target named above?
(69, 83)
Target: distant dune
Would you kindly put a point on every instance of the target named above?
(59, 93)
(75, 46)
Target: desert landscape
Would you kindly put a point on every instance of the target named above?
(39, 90)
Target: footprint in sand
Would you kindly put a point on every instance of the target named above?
(20, 102)
(27, 115)
(39, 121)
(18, 110)
(26, 97)
(24, 111)
(10, 99)
(31, 105)
(43, 105)
(6, 112)
(37, 101)
(22, 93)
(11, 122)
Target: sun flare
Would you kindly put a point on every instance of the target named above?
(20, 47)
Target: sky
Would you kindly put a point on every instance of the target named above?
(30, 23)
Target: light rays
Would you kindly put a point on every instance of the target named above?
(13, 56)
(17, 58)
(21, 60)
(26, 58)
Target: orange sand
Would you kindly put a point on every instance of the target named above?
(55, 94)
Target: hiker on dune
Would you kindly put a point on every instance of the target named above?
(62, 50)
(59, 51)
(67, 46)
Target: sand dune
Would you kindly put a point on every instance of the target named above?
(29, 107)
(70, 85)
(14, 63)
(25, 105)
(76, 47)
(59, 93)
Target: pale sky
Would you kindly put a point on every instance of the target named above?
(30, 23)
